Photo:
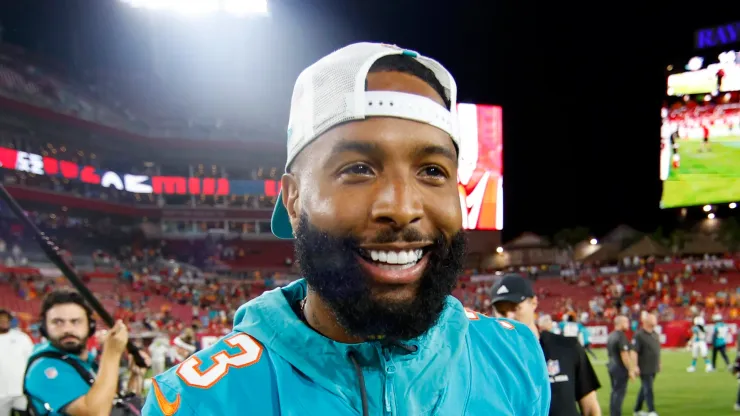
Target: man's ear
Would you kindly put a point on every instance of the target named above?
(291, 199)
(535, 303)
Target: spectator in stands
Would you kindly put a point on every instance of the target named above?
(54, 379)
(15, 347)
(375, 209)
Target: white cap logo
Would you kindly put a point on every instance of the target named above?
(502, 290)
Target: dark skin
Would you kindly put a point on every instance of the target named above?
(365, 176)
(4, 323)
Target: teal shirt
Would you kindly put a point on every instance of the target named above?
(272, 364)
(720, 334)
(53, 384)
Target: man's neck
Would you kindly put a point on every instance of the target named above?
(321, 318)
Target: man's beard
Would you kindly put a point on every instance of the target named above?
(68, 347)
(331, 267)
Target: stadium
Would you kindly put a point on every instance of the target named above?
(157, 193)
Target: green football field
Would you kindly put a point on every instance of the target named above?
(677, 392)
(704, 177)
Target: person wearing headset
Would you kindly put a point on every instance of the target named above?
(62, 377)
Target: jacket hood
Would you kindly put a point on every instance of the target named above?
(271, 320)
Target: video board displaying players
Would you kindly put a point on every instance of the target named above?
(700, 134)
(480, 173)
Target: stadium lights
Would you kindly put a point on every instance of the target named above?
(594, 241)
(695, 63)
(733, 205)
(707, 208)
(711, 216)
(239, 8)
(499, 250)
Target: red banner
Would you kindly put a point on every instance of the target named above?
(171, 212)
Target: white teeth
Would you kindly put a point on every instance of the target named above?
(403, 257)
(408, 257)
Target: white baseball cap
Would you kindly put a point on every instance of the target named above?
(332, 91)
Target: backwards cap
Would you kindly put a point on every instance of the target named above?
(332, 91)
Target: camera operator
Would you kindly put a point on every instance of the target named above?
(62, 377)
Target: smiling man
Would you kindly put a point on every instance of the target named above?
(370, 195)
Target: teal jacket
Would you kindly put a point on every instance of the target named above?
(273, 364)
(53, 384)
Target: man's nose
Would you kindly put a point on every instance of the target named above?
(398, 204)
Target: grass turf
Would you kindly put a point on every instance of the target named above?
(677, 392)
(704, 177)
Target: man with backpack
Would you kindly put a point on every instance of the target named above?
(62, 377)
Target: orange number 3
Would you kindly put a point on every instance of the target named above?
(471, 314)
(250, 351)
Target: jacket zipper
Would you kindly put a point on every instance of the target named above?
(389, 393)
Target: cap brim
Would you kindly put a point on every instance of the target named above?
(280, 222)
(511, 297)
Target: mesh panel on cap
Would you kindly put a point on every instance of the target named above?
(319, 103)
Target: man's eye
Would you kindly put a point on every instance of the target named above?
(358, 169)
(434, 171)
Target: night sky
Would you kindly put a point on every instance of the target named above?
(581, 84)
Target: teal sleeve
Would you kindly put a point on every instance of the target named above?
(54, 383)
(538, 369)
(162, 400)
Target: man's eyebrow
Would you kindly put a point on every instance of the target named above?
(437, 150)
(366, 148)
(372, 149)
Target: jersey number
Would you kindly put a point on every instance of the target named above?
(249, 353)
(471, 314)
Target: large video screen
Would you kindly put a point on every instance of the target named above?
(480, 174)
(700, 134)
(700, 151)
(706, 75)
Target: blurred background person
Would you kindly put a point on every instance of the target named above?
(622, 367)
(719, 340)
(544, 323)
(184, 345)
(15, 348)
(158, 351)
(699, 344)
(646, 353)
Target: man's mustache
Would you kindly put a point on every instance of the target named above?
(65, 336)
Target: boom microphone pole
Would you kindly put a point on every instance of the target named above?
(52, 252)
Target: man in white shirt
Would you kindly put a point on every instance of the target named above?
(158, 351)
(16, 348)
